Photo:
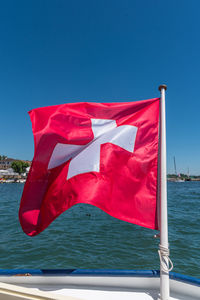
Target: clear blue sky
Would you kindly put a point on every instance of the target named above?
(60, 51)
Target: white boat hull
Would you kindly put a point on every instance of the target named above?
(98, 285)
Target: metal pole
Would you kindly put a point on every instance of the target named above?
(164, 272)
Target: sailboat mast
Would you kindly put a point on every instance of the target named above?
(175, 166)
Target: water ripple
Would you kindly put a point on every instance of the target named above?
(86, 237)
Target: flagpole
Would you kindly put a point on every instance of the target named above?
(163, 247)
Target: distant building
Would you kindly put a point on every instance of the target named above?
(8, 173)
(6, 163)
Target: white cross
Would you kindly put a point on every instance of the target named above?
(86, 158)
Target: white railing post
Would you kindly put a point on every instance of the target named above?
(163, 222)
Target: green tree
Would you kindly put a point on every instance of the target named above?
(19, 166)
(2, 157)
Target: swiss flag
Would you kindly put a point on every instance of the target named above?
(103, 154)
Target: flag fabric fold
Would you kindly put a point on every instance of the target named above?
(103, 154)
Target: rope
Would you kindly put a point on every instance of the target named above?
(165, 261)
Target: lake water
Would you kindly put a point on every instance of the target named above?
(86, 237)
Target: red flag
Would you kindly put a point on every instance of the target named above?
(104, 154)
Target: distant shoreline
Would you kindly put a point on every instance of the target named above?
(23, 180)
(182, 180)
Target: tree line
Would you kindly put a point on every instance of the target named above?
(18, 166)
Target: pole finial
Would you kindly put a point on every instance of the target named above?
(162, 86)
